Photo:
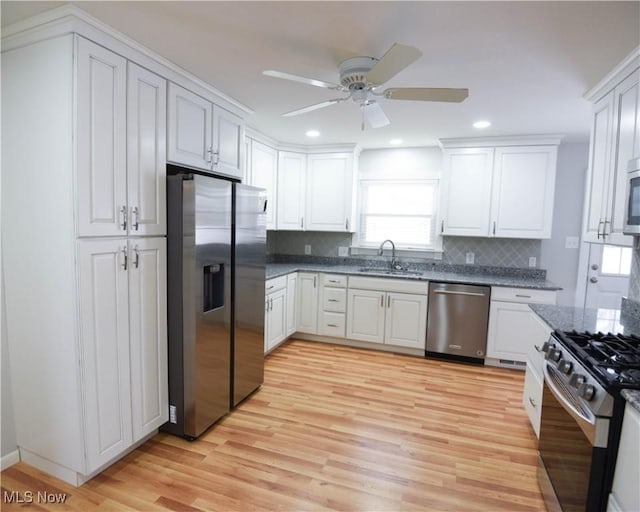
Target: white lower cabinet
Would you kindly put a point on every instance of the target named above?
(406, 320)
(124, 343)
(333, 306)
(532, 398)
(307, 302)
(365, 315)
(292, 303)
(275, 321)
(625, 492)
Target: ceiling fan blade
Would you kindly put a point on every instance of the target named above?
(301, 79)
(426, 94)
(374, 115)
(395, 60)
(313, 107)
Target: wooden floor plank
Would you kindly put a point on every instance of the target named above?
(334, 428)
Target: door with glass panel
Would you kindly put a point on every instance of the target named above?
(608, 276)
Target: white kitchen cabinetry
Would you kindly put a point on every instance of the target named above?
(615, 139)
(307, 302)
(625, 492)
(508, 312)
(263, 173)
(203, 135)
(329, 192)
(292, 303)
(98, 350)
(333, 305)
(393, 312)
(276, 318)
(499, 187)
(292, 170)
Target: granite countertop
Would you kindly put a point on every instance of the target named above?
(632, 397)
(512, 281)
(567, 318)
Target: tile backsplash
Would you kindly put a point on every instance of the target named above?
(634, 279)
(497, 252)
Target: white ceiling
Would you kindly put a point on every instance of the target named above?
(526, 64)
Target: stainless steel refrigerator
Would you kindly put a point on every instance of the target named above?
(216, 254)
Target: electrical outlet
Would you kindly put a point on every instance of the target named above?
(307, 249)
(571, 242)
(343, 251)
(532, 261)
(471, 257)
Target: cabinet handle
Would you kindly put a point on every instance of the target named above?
(604, 229)
(442, 226)
(314, 281)
(217, 161)
(494, 227)
(333, 281)
(382, 300)
(537, 348)
(136, 261)
(270, 304)
(210, 155)
(333, 300)
(123, 211)
(388, 301)
(599, 224)
(126, 258)
(270, 287)
(332, 325)
(533, 402)
(266, 305)
(523, 296)
(346, 225)
(134, 215)
(301, 222)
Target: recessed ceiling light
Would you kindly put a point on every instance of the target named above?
(312, 133)
(395, 142)
(481, 124)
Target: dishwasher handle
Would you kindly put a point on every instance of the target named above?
(450, 292)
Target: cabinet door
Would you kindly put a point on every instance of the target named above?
(329, 192)
(598, 176)
(510, 328)
(148, 334)
(291, 190)
(627, 472)
(101, 141)
(406, 320)
(264, 165)
(292, 304)
(228, 143)
(466, 193)
(189, 122)
(365, 315)
(307, 302)
(532, 398)
(104, 341)
(146, 152)
(524, 183)
(276, 331)
(627, 117)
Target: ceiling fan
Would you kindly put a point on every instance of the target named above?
(361, 78)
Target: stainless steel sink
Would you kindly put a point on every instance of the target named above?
(373, 270)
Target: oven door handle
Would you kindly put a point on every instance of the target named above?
(596, 429)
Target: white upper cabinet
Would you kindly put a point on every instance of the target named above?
(499, 188)
(203, 135)
(146, 151)
(263, 173)
(615, 139)
(466, 191)
(190, 119)
(101, 141)
(329, 192)
(291, 190)
(523, 192)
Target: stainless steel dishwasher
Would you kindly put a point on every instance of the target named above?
(457, 321)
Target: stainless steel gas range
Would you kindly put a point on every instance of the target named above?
(582, 416)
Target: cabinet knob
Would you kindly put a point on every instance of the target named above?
(593, 280)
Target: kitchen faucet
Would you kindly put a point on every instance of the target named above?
(394, 264)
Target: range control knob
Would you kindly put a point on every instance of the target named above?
(565, 366)
(577, 380)
(587, 391)
(554, 354)
(548, 345)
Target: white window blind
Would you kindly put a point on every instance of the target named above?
(402, 211)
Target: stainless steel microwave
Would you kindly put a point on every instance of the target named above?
(632, 220)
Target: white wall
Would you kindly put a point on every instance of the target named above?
(562, 264)
(7, 427)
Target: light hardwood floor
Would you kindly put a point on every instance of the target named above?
(334, 428)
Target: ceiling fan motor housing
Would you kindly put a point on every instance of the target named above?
(353, 72)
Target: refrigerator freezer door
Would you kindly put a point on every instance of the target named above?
(250, 261)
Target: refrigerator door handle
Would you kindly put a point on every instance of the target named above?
(264, 208)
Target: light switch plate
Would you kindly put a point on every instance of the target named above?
(307, 249)
(343, 251)
(571, 242)
(471, 257)
(532, 261)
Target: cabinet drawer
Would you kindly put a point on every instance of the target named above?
(541, 332)
(525, 295)
(532, 398)
(333, 324)
(389, 285)
(334, 280)
(273, 285)
(334, 299)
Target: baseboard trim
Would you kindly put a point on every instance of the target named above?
(9, 459)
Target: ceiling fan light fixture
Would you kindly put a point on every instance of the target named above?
(312, 133)
(480, 125)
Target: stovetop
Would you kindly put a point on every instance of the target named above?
(614, 359)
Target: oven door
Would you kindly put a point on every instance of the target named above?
(572, 449)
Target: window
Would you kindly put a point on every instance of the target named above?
(400, 210)
(616, 261)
